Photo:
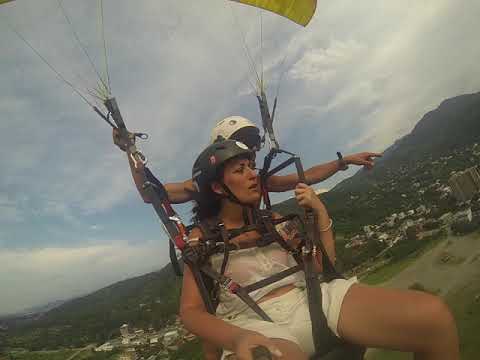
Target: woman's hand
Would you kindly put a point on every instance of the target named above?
(364, 158)
(307, 198)
(119, 141)
(244, 344)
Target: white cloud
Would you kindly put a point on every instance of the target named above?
(324, 65)
(39, 276)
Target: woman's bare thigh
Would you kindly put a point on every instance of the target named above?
(403, 320)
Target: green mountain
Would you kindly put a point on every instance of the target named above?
(144, 301)
(441, 142)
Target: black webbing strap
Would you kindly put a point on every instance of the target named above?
(274, 278)
(235, 232)
(265, 217)
(207, 299)
(246, 218)
(225, 240)
(160, 202)
(321, 341)
(234, 288)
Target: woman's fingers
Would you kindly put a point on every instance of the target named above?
(250, 342)
(301, 185)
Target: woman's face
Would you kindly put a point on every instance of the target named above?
(240, 176)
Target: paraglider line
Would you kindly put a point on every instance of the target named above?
(245, 48)
(102, 25)
(56, 72)
(261, 48)
(77, 38)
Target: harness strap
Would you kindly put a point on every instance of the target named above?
(175, 229)
(271, 279)
(265, 217)
(235, 232)
(225, 239)
(235, 288)
(200, 281)
(246, 218)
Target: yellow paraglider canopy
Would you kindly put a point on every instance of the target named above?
(299, 11)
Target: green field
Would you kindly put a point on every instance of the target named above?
(457, 282)
(60, 355)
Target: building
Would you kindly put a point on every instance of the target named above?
(383, 237)
(465, 184)
(105, 347)
(139, 332)
(464, 216)
(170, 337)
(446, 218)
(422, 209)
(124, 331)
(128, 354)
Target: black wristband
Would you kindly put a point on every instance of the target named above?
(342, 164)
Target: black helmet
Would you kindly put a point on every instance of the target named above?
(208, 163)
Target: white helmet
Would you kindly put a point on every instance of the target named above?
(237, 128)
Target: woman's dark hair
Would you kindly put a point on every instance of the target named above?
(208, 204)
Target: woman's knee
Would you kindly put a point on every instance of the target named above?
(436, 315)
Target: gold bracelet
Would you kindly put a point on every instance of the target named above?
(328, 227)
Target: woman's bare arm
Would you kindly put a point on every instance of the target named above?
(320, 172)
(181, 192)
(177, 192)
(324, 224)
(197, 320)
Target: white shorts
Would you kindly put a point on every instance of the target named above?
(291, 316)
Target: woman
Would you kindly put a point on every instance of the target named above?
(373, 317)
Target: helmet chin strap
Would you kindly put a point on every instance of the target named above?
(245, 207)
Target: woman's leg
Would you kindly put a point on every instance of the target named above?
(402, 320)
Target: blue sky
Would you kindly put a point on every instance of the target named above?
(357, 78)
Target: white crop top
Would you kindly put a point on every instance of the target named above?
(247, 266)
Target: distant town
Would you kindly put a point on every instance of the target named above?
(424, 221)
(133, 343)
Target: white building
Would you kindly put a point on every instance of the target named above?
(464, 216)
(170, 337)
(383, 237)
(124, 331)
(446, 218)
(129, 354)
(421, 209)
(105, 347)
(465, 184)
